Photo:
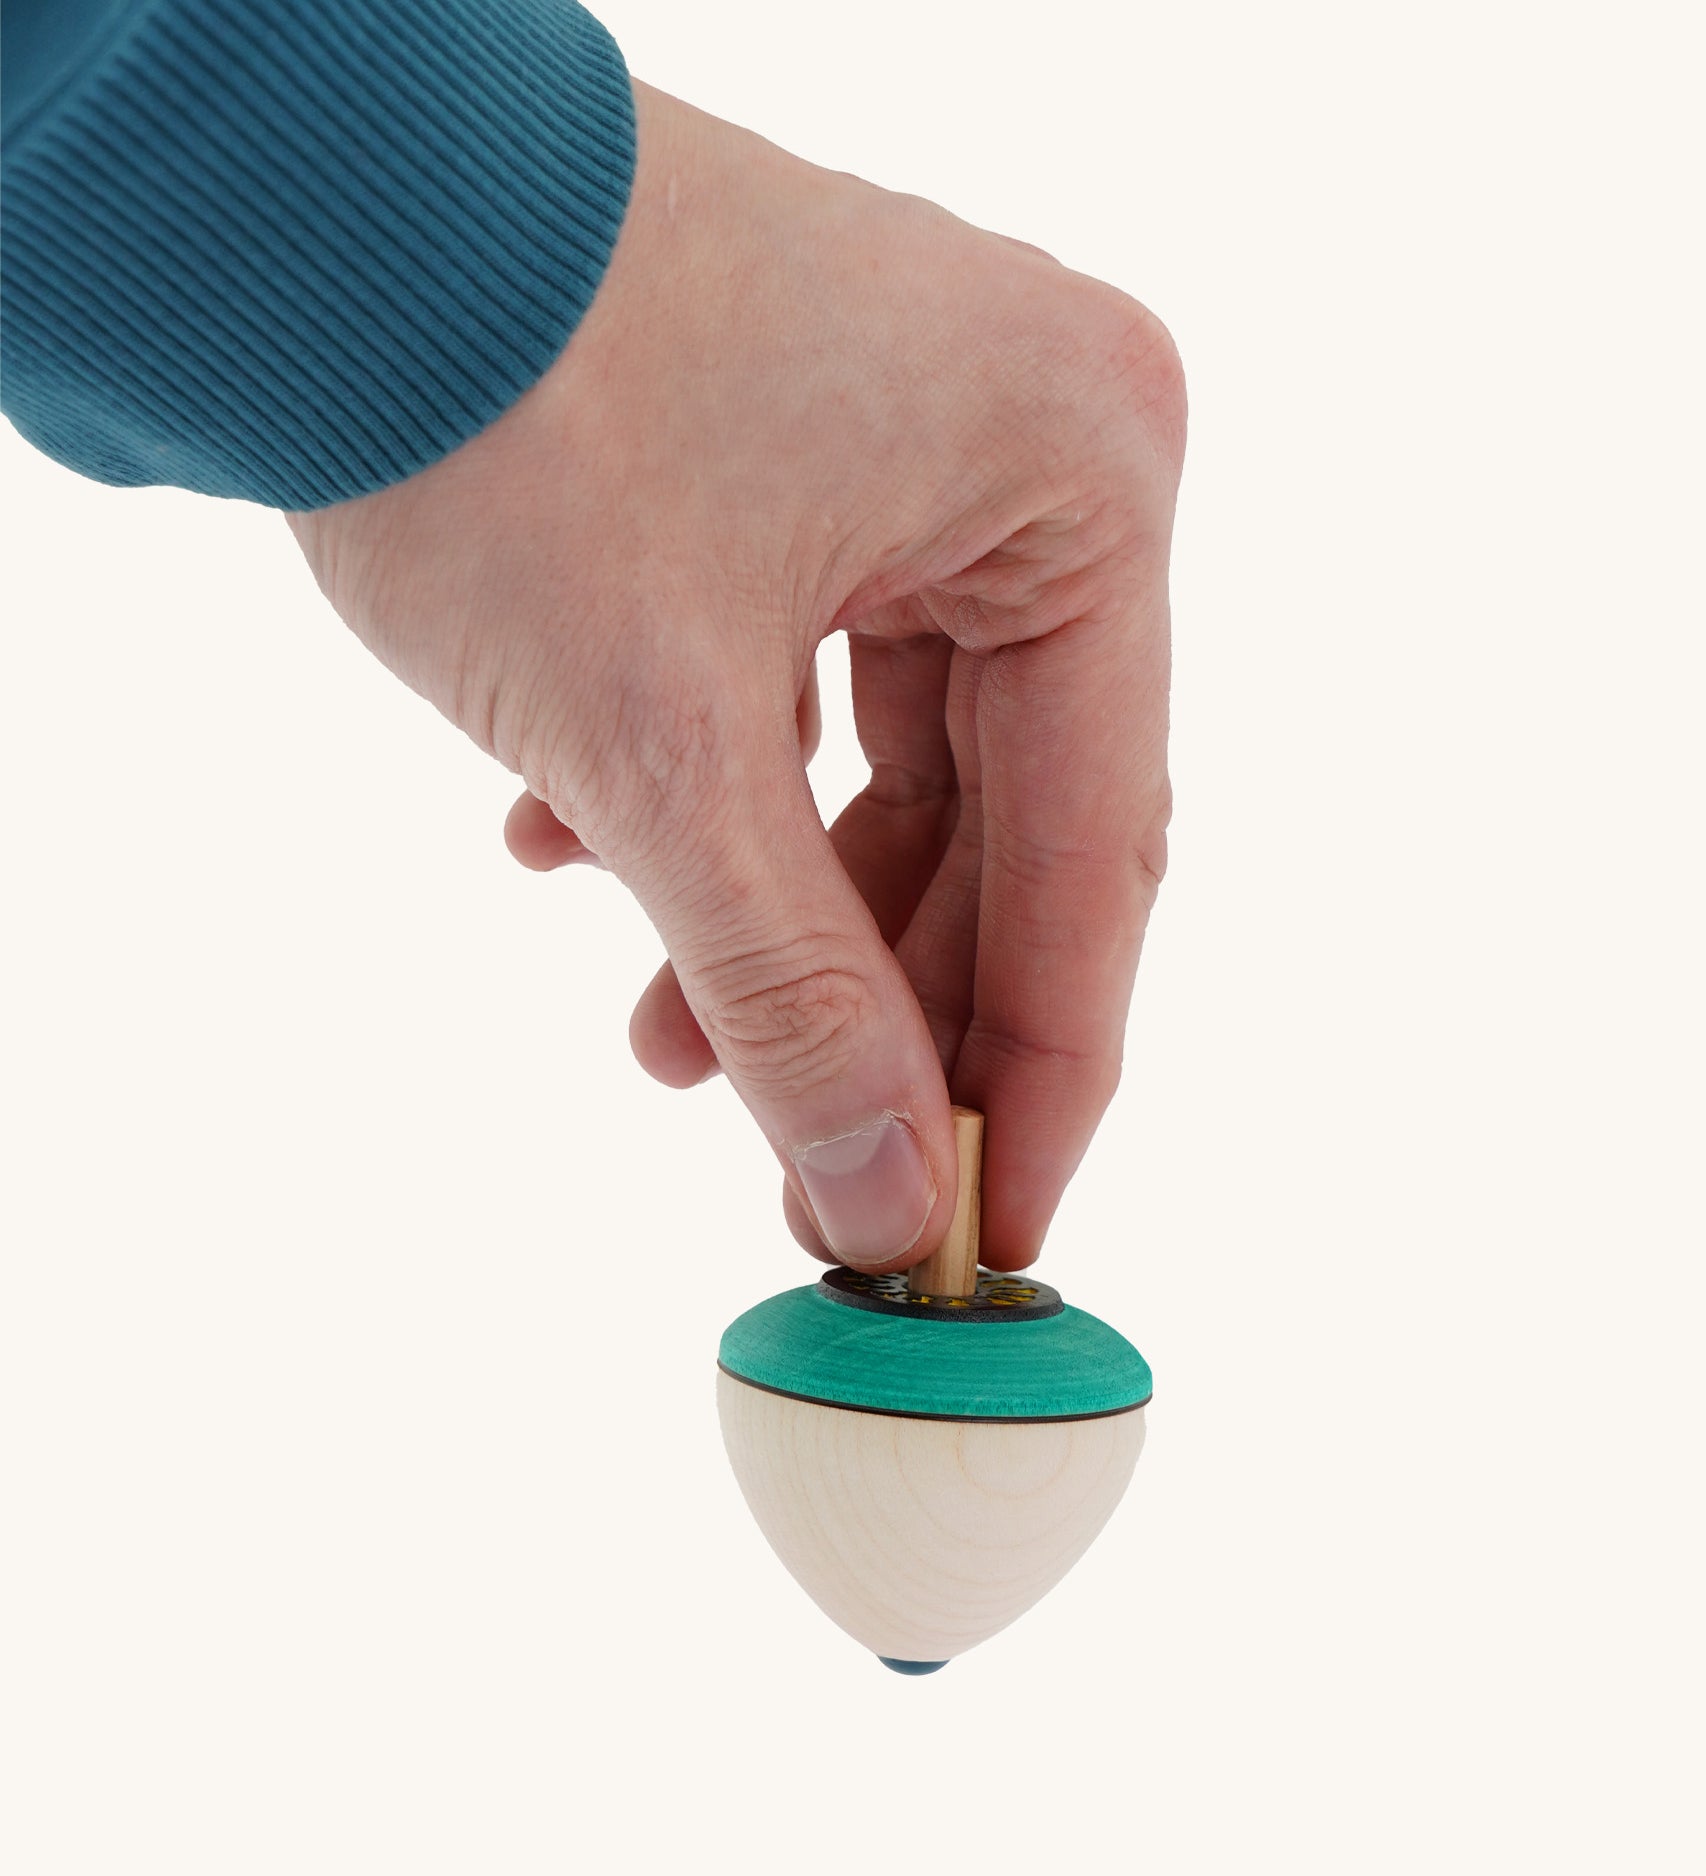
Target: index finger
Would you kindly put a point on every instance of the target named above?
(1072, 742)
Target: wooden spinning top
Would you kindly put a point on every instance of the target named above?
(931, 1453)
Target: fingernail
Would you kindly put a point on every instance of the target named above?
(871, 1190)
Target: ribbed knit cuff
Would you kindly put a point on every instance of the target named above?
(296, 252)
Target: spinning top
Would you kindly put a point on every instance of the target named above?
(930, 1453)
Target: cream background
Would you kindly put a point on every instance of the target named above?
(350, 1523)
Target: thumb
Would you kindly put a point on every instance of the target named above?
(811, 1018)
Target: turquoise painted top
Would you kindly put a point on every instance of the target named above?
(1065, 1366)
(296, 252)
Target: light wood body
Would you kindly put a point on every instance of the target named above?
(922, 1538)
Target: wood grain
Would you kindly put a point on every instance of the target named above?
(951, 1269)
(922, 1538)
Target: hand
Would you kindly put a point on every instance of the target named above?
(801, 405)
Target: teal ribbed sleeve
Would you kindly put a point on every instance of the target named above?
(296, 251)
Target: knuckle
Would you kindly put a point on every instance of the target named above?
(788, 1019)
(1155, 374)
(1090, 1074)
(1127, 351)
(1099, 1076)
(1149, 850)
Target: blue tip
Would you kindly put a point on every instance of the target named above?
(912, 1667)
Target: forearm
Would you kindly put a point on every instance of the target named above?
(299, 254)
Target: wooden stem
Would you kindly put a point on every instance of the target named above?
(951, 1269)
